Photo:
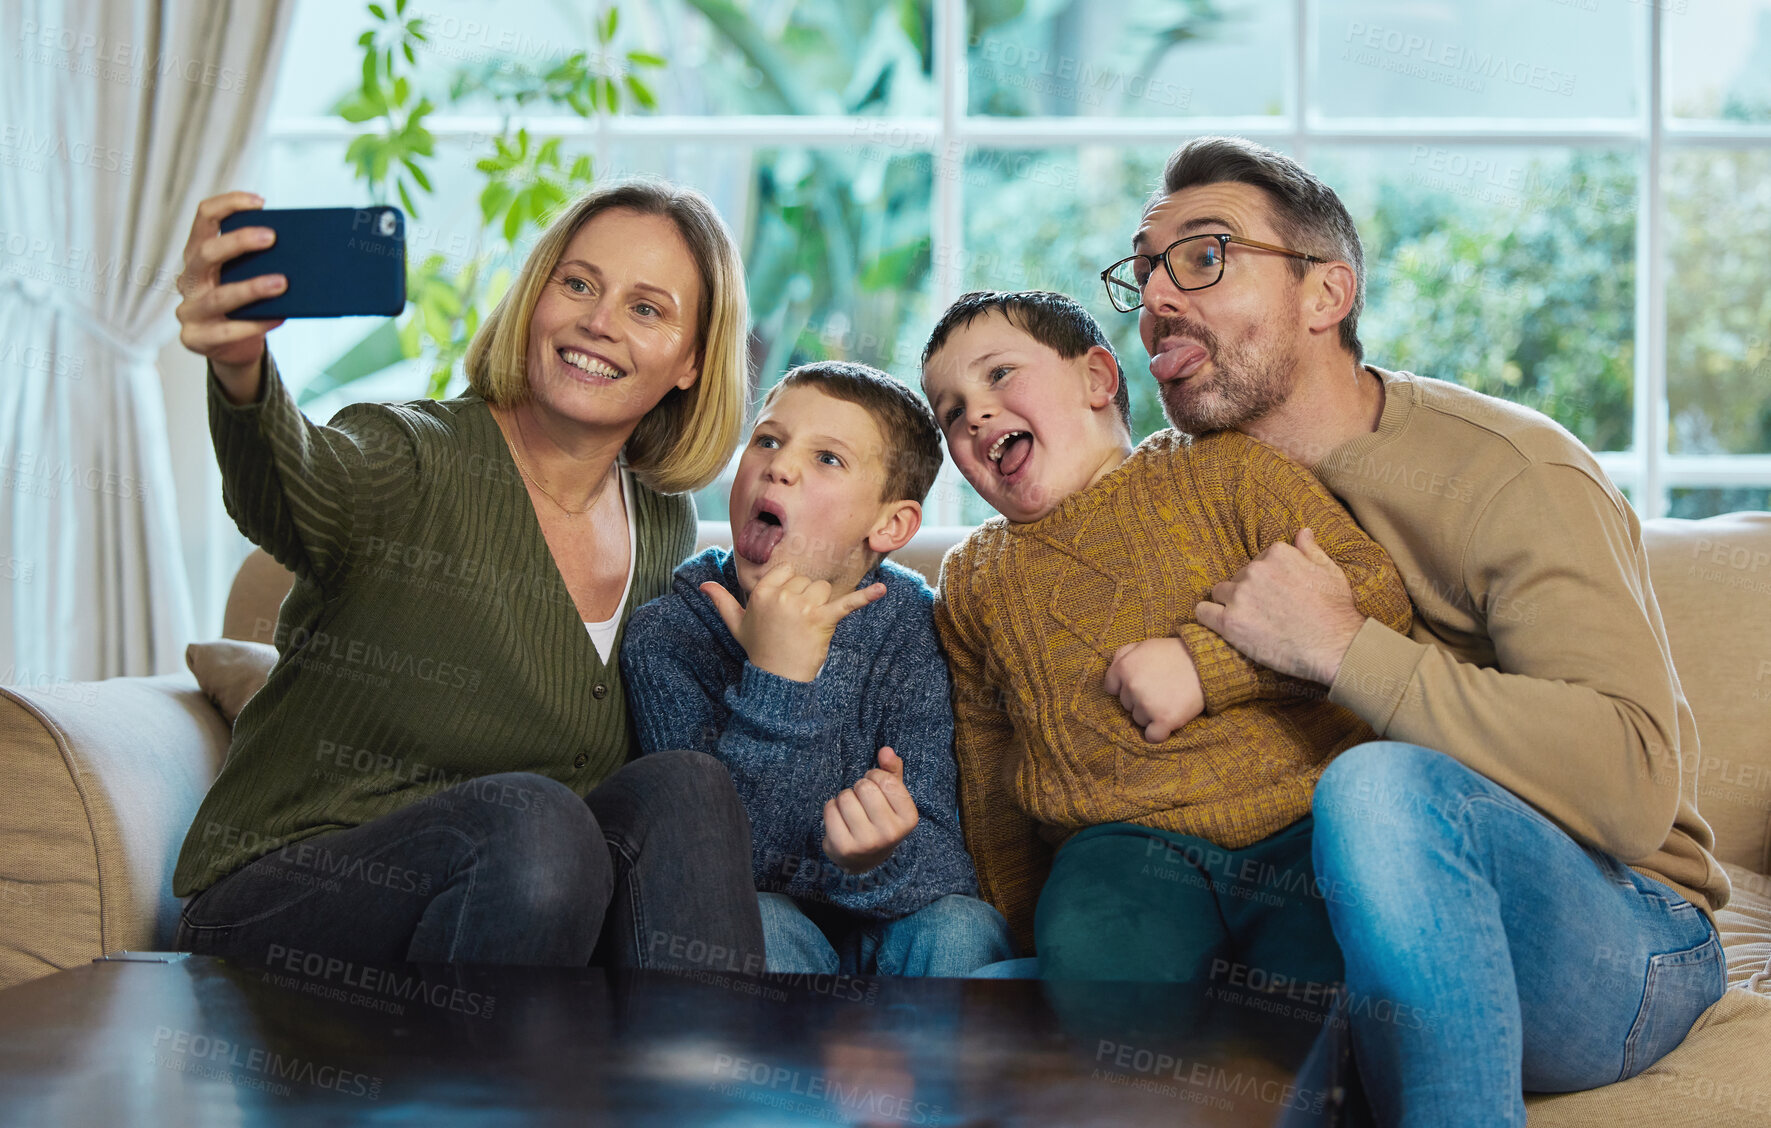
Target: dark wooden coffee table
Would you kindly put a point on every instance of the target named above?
(173, 1040)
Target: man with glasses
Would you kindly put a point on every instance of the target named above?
(1522, 863)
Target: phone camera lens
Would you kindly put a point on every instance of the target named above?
(386, 223)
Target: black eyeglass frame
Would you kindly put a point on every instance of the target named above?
(1224, 238)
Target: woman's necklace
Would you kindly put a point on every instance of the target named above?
(522, 440)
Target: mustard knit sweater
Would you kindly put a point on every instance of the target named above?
(1031, 614)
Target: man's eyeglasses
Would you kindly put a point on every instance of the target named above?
(1193, 263)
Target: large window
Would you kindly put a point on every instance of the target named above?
(1564, 202)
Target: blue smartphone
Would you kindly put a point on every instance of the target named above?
(339, 261)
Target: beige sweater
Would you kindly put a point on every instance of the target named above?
(1537, 655)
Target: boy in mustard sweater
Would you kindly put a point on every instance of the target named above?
(1134, 792)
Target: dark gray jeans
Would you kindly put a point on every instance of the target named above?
(651, 869)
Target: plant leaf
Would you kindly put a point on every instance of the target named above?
(357, 109)
(357, 154)
(418, 175)
(496, 195)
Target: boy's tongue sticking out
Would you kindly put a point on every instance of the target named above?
(1014, 449)
(755, 540)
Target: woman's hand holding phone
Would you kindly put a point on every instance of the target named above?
(235, 349)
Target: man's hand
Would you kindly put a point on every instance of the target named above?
(1291, 609)
(864, 824)
(1158, 684)
(787, 624)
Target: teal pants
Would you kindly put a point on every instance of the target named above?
(1127, 902)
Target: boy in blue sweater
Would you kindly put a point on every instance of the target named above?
(808, 664)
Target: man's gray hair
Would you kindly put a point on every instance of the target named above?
(1307, 215)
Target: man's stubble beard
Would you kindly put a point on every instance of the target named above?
(1248, 382)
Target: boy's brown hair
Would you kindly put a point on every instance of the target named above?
(1055, 320)
(912, 453)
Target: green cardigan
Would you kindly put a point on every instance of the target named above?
(429, 637)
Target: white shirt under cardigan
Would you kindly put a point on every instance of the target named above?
(602, 635)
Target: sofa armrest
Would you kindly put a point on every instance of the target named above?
(104, 778)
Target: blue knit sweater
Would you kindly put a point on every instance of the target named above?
(792, 745)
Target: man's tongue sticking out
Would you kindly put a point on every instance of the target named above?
(1179, 361)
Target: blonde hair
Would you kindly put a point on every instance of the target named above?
(688, 437)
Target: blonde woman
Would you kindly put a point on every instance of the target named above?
(438, 767)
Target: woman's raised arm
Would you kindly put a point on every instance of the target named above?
(235, 348)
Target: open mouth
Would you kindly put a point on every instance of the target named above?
(756, 539)
(594, 367)
(1010, 452)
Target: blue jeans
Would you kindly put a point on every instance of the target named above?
(651, 869)
(1128, 902)
(950, 937)
(1487, 952)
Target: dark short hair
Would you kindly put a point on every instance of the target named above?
(1307, 215)
(912, 455)
(1055, 320)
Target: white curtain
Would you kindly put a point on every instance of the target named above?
(116, 118)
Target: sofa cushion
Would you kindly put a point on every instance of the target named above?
(103, 781)
(230, 672)
(1713, 582)
(1745, 925)
(255, 597)
(1715, 1079)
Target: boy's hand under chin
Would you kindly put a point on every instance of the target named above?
(786, 626)
(1158, 684)
(864, 824)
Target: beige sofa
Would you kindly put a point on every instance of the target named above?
(103, 779)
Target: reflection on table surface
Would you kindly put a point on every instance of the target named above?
(196, 1041)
